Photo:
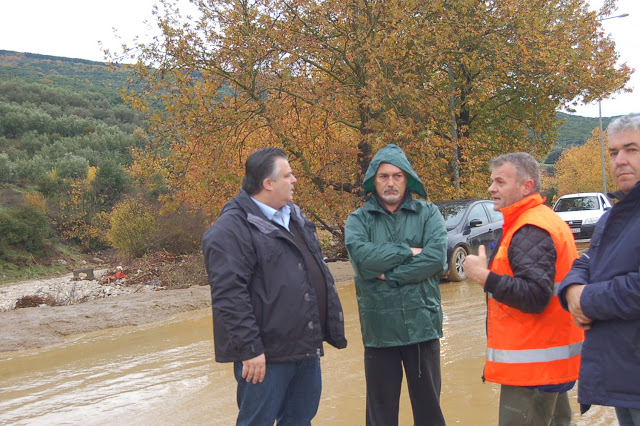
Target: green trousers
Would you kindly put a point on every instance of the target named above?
(520, 406)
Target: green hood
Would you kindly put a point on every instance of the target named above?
(392, 154)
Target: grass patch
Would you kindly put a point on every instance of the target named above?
(23, 266)
(10, 272)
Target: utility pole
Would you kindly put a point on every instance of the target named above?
(604, 169)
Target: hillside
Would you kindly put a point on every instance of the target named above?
(65, 141)
(574, 131)
(76, 74)
(80, 74)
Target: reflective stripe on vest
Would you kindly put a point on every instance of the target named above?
(534, 355)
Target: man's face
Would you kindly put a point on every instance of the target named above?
(391, 183)
(283, 185)
(624, 157)
(505, 188)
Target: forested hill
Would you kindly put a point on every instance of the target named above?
(60, 116)
(66, 142)
(76, 74)
(574, 131)
(84, 75)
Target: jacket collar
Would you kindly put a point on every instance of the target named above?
(635, 191)
(512, 212)
(246, 203)
(254, 214)
(619, 195)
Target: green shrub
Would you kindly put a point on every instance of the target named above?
(31, 169)
(7, 173)
(133, 227)
(49, 184)
(110, 183)
(72, 167)
(25, 228)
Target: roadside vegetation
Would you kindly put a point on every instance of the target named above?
(66, 193)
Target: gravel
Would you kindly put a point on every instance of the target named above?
(67, 290)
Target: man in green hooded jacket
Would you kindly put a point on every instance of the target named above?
(397, 246)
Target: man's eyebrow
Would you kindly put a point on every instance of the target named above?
(626, 145)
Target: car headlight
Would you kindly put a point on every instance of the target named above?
(590, 220)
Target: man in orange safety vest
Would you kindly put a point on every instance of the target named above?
(533, 346)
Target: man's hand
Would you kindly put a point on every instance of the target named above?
(414, 252)
(572, 294)
(254, 369)
(476, 267)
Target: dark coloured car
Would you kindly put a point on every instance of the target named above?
(470, 223)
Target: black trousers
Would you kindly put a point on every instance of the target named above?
(383, 373)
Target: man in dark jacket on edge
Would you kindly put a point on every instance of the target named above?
(274, 300)
(533, 347)
(398, 248)
(602, 290)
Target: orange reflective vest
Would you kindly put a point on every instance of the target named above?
(532, 349)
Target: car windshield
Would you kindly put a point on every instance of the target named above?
(577, 203)
(452, 213)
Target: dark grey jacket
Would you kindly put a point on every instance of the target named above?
(262, 298)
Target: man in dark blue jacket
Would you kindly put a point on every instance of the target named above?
(602, 290)
(274, 300)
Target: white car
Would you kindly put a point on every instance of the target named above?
(582, 211)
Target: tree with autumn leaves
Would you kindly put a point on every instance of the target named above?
(579, 168)
(453, 83)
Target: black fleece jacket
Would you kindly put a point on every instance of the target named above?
(532, 256)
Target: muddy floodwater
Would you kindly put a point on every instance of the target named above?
(164, 374)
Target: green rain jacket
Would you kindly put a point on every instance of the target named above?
(404, 308)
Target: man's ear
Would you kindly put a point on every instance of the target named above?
(527, 187)
(267, 184)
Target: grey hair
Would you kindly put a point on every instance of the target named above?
(526, 166)
(629, 122)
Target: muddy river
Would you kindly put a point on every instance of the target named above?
(163, 373)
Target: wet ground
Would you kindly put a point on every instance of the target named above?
(163, 373)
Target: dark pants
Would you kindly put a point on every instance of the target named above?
(520, 406)
(383, 372)
(289, 394)
(628, 416)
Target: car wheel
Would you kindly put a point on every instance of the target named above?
(456, 271)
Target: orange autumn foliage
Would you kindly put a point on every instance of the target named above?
(331, 82)
(579, 168)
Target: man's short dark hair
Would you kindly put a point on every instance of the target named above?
(261, 165)
(526, 167)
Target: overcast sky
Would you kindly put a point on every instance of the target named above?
(73, 28)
